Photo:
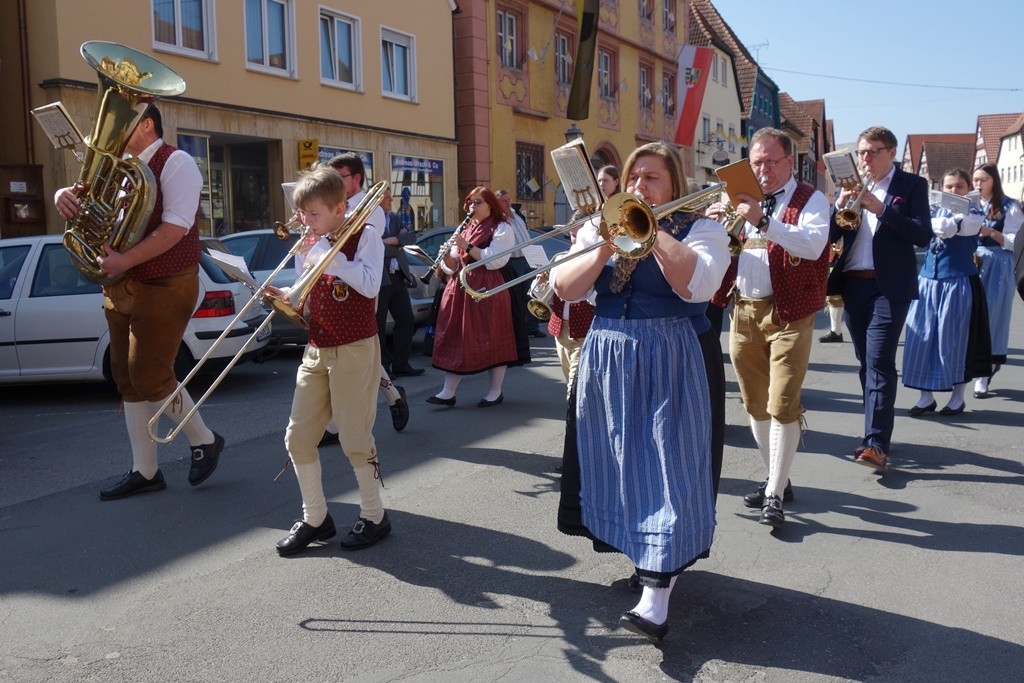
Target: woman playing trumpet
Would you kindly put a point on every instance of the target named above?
(642, 410)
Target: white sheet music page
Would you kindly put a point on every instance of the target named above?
(842, 168)
(572, 164)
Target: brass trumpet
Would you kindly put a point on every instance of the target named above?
(848, 217)
(628, 225)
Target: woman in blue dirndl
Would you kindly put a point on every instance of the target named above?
(1003, 219)
(643, 413)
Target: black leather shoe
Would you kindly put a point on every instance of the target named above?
(631, 621)
(484, 403)
(983, 394)
(400, 411)
(365, 533)
(917, 412)
(450, 402)
(204, 460)
(303, 534)
(407, 371)
(830, 338)
(756, 499)
(133, 483)
(771, 513)
(327, 439)
(947, 411)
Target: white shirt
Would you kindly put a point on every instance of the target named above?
(363, 274)
(180, 183)
(806, 239)
(1011, 223)
(860, 256)
(706, 237)
(502, 240)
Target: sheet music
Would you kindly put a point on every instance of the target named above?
(953, 203)
(235, 267)
(572, 164)
(842, 167)
(535, 255)
(58, 126)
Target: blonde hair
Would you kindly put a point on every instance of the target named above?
(319, 183)
(673, 161)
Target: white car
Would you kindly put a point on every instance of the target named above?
(52, 327)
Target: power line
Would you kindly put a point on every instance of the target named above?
(906, 85)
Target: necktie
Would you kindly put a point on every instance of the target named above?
(768, 203)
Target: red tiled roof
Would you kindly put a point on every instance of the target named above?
(706, 20)
(916, 143)
(944, 155)
(992, 127)
(794, 116)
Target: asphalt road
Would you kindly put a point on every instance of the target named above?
(912, 576)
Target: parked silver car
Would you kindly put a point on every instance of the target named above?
(52, 327)
(263, 251)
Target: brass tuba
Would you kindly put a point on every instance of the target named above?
(115, 195)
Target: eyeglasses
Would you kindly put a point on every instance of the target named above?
(767, 163)
(474, 202)
(870, 152)
(344, 175)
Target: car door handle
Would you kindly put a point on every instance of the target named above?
(3, 313)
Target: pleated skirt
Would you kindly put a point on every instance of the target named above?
(644, 441)
(938, 327)
(998, 280)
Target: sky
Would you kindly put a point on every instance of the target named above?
(938, 43)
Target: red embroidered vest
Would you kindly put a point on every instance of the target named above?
(338, 314)
(182, 255)
(798, 284)
(581, 315)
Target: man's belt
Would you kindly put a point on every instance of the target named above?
(860, 274)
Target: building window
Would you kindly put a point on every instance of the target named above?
(607, 74)
(563, 58)
(668, 16)
(268, 34)
(705, 129)
(398, 64)
(508, 39)
(646, 99)
(339, 49)
(529, 172)
(732, 138)
(714, 68)
(668, 94)
(184, 25)
(725, 80)
(646, 10)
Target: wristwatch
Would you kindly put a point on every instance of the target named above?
(763, 223)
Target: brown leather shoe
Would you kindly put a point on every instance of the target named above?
(872, 456)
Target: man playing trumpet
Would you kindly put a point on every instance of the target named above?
(876, 274)
(778, 284)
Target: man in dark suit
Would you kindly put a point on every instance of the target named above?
(394, 295)
(877, 277)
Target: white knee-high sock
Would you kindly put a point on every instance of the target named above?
(371, 506)
(496, 377)
(451, 385)
(926, 399)
(314, 505)
(981, 385)
(784, 441)
(195, 429)
(390, 392)
(653, 605)
(760, 428)
(136, 417)
(835, 319)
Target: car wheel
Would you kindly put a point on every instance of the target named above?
(183, 363)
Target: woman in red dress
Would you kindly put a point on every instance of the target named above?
(473, 336)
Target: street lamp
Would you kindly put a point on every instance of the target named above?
(573, 133)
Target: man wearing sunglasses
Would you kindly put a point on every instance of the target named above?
(877, 277)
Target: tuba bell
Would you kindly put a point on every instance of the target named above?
(116, 196)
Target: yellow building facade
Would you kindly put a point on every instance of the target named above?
(271, 85)
(514, 65)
